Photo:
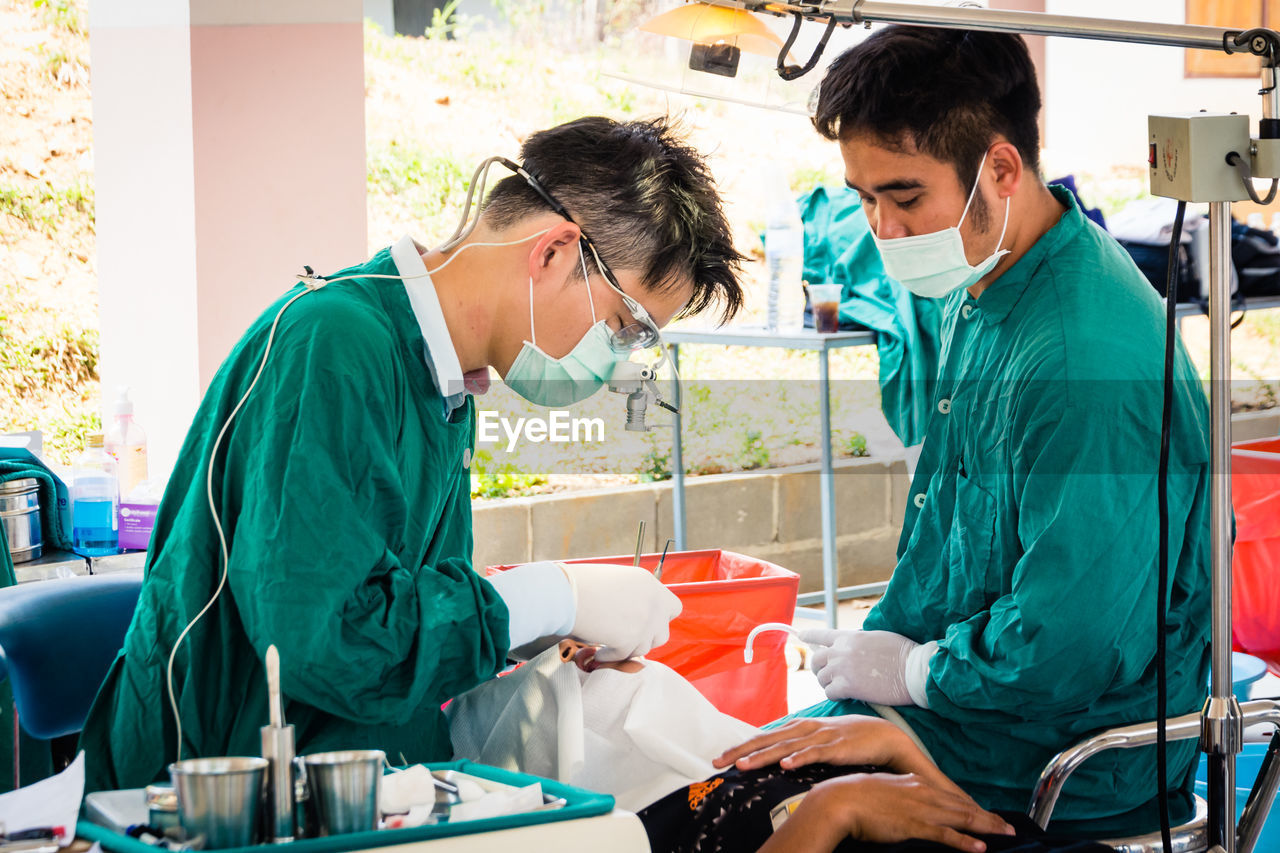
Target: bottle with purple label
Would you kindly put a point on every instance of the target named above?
(95, 499)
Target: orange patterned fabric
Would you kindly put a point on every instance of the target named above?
(698, 791)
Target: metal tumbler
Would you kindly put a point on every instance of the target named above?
(343, 789)
(220, 798)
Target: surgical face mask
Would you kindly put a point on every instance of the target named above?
(555, 382)
(934, 265)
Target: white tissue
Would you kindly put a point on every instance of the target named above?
(499, 803)
(637, 736)
(405, 789)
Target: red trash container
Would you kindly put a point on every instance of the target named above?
(725, 595)
(1255, 568)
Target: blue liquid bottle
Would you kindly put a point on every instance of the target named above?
(95, 499)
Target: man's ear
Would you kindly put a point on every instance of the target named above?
(554, 249)
(1008, 166)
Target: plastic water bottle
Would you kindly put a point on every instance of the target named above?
(784, 257)
(95, 499)
(127, 443)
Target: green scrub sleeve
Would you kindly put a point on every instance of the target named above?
(1078, 616)
(316, 566)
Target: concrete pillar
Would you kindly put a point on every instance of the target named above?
(229, 150)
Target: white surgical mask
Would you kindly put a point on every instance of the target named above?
(934, 265)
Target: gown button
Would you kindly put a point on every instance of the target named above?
(919, 501)
(944, 406)
(967, 311)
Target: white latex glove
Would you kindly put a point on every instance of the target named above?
(874, 666)
(539, 601)
(625, 609)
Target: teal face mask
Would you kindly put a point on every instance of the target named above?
(555, 382)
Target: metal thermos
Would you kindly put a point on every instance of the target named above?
(277, 748)
(20, 514)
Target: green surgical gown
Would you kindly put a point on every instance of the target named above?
(1029, 548)
(838, 249)
(344, 494)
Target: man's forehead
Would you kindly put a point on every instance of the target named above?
(872, 166)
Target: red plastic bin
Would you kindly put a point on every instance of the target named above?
(725, 595)
(1255, 567)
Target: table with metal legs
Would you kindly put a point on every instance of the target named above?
(805, 340)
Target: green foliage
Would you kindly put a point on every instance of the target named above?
(41, 206)
(445, 22)
(61, 14)
(806, 178)
(36, 369)
(428, 180)
(523, 16)
(489, 69)
(63, 362)
(753, 453)
(65, 436)
(655, 465)
(389, 47)
(621, 101)
(856, 445)
(492, 479)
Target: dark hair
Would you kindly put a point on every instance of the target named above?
(645, 198)
(947, 91)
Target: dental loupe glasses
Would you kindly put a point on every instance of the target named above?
(637, 381)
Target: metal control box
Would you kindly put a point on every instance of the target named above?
(1188, 156)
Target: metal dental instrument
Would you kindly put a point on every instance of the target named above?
(278, 748)
(639, 544)
(657, 573)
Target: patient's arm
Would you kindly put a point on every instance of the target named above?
(883, 807)
(852, 740)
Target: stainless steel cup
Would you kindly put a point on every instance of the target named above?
(20, 515)
(220, 798)
(343, 789)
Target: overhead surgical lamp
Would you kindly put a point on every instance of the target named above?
(719, 35)
(720, 51)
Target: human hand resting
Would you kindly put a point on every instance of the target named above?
(884, 807)
(850, 740)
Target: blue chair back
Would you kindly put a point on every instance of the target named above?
(58, 638)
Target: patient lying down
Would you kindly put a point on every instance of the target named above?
(701, 780)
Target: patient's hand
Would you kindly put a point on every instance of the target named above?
(851, 740)
(884, 807)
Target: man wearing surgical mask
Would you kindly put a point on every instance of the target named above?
(1019, 616)
(342, 483)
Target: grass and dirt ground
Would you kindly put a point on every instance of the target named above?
(435, 108)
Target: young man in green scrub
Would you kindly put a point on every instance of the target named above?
(1021, 615)
(342, 483)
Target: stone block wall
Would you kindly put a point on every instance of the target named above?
(774, 514)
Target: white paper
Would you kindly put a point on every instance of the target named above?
(50, 802)
(499, 804)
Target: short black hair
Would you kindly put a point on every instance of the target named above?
(645, 198)
(947, 91)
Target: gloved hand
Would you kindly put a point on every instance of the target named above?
(873, 666)
(624, 609)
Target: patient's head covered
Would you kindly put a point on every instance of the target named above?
(636, 730)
